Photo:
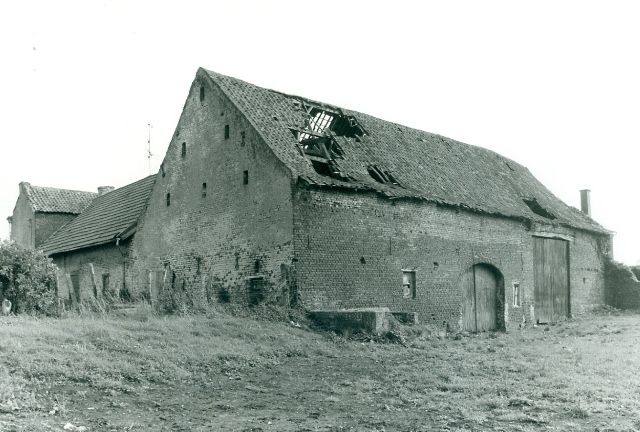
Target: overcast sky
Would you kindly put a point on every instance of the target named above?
(554, 85)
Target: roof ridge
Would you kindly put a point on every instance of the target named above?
(438, 168)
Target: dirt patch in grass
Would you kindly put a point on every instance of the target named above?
(228, 372)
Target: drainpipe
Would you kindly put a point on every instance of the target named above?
(124, 265)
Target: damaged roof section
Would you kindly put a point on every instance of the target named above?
(317, 141)
(329, 146)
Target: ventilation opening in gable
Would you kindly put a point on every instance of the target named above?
(535, 207)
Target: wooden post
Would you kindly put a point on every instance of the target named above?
(93, 280)
(72, 294)
(149, 282)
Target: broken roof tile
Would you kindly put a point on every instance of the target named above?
(429, 166)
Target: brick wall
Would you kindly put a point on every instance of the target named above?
(587, 276)
(351, 248)
(48, 223)
(106, 260)
(235, 232)
(23, 223)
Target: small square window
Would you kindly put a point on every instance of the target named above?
(409, 284)
(517, 295)
(168, 199)
(245, 177)
(226, 131)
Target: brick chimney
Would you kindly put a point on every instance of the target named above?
(104, 189)
(585, 201)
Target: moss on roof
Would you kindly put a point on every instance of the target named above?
(425, 166)
(106, 218)
(53, 200)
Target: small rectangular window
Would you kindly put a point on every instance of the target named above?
(242, 137)
(517, 295)
(162, 169)
(168, 199)
(245, 177)
(204, 190)
(226, 131)
(202, 93)
(183, 153)
(409, 284)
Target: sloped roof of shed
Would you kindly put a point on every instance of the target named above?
(106, 218)
(427, 166)
(53, 200)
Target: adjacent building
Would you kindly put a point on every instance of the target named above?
(41, 211)
(92, 252)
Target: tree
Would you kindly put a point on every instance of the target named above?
(27, 279)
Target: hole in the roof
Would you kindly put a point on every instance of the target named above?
(321, 121)
(328, 168)
(381, 176)
(535, 207)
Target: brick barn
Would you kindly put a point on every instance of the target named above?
(92, 252)
(264, 196)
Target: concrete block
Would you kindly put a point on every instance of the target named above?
(368, 320)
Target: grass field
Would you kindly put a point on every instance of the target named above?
(221, 372)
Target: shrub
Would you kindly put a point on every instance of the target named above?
(27, 279)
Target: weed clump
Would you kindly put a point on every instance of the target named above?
(28, 280)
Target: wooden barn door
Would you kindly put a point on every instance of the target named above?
(480, 287)
(551, 279)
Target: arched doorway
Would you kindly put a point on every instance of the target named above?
(481, 291)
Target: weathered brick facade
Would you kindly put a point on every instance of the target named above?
(229, 233)
(96, 272)
(256, 222)
(351, 249)
(48, 223)
(23, 223)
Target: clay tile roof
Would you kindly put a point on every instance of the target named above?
(52, 200)
(110, 215)
(425, 166)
